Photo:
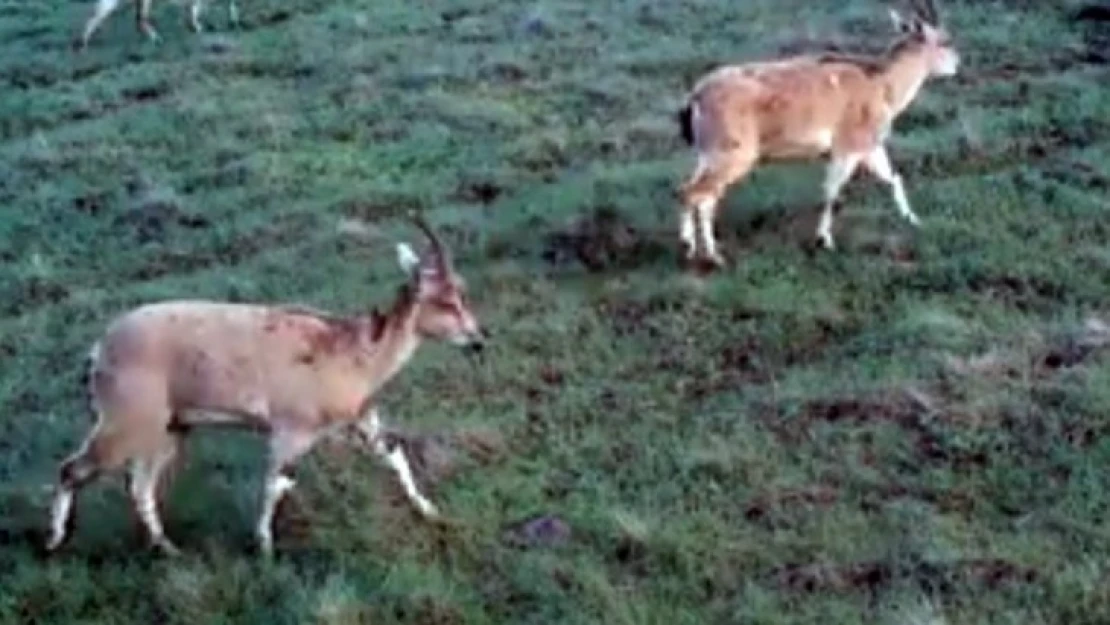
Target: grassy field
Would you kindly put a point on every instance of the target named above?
(913, 430)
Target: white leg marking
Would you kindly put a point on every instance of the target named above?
(285, 447)
(59, 517)
(370, 428)
(400, 465)
(705, 221)
(144, 479)
(144, 21)
(688, 233)
(276, 488)
(194, 15)
(878, 161)
(233, 12)
(104, 8)
(840, 170)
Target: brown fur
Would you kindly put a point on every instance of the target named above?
(291, 371)
(799, 108)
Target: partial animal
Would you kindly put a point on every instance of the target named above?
(295, 374)
(104, 8)
(832, 106)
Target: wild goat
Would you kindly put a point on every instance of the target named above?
(293, 373)
(805, 107)
(104, 8)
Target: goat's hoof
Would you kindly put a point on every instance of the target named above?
(52, 546)
(428, 511)
(825, 242)
(167, 548)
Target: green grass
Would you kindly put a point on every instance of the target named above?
(915, 429)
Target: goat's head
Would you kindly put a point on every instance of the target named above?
(442, 310)
(925, 34)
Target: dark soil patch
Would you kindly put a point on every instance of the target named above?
(874, 576)
(602, 240)
(147, 93)
(1020, 292)
(1077, 347)
(767, 506)
(151, 219)
(91, 204)
(19, 296)
(904, 410)
(483, 192)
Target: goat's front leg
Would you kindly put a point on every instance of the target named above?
(369, 429)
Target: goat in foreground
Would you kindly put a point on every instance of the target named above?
(806, 107)
(104, 8)
(293, 373)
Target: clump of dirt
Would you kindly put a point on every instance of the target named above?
(483, 192)
(147, 93)
(91, 204)
(601, 240)
(1074, 348)
(872, 576)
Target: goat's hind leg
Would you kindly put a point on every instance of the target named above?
(839, 171)
(104, 8)
(142, 17)
(146, 471)
(100, 452)
(196, 8)
(702, 193)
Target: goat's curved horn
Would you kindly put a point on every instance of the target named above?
(439, 252)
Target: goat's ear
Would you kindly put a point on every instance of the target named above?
(409, 261)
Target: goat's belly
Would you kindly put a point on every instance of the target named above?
(795, 152)
(798, 146)
(210, 417)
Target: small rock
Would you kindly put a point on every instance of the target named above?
(535, 23)
(541, 531)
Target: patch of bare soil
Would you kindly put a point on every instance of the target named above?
(1094, 19)
(768, 504)
(873, 576)
(601, 240)
(912, 411)
(1042, 358)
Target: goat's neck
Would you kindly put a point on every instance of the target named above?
(903, 77)
(395, 343)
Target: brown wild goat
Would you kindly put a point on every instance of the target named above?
(104, 8)
(805, 107)
(293, 373)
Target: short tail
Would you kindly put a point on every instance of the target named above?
(685, 118)
(88, 377)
